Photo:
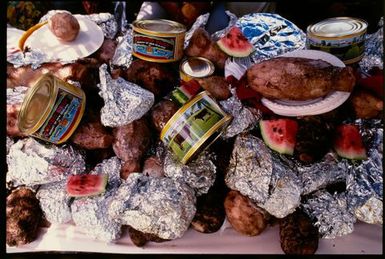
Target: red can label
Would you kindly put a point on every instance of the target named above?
(154, 47)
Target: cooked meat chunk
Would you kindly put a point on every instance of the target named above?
(366, 105)
(106, 52)
(153, 166)
(217, 86)
(201, 45)
(162, 112)
(92, 135)
(129, 167)
(23, 215)
(12, 120)
(139, 238)
(298, 78)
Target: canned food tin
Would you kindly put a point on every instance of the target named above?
(195, 67)
(343, 37)
(51, 109)
(194, 127)
(158, 40)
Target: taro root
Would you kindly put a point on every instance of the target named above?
(64, 26)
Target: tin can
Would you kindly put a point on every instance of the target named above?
(343, 37)
(51, 109)
(194, 127)
(158, 40)
(195, 67)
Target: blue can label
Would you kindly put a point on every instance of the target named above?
(154, 47)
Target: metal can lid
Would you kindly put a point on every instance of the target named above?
(36, 104)
(197, 67)
(337, 27)
(159, 26)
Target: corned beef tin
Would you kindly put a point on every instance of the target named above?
(51, 109)
(343, 37)
(158, 40)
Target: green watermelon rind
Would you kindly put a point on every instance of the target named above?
(351, 154)
(231, 51)
(280, 148)
(101, 188)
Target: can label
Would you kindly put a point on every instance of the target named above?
(154, 47)
(196, 122)
(62, 118)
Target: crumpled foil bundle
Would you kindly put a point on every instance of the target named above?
(91, 213)
(32, 163)
(374, 49)
(55, 202)
(123, 52)
(9, 143)
(33, 57)
(318, 175)
(271, 35)
(106, 22)
(16, 95)
(160, 206)
(202, 20)
(331, 214)
(364, 183)
(263, 176)
(244, 118)
(124, 101)
(199, 174)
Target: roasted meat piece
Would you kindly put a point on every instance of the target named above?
(298, 78)
(23, 217)
(139, 238)
(162, 112)
(106, 52)
(12, 120)
(298, 235)
(217, 86)
(201, 45)
(153, 166)
(366, 105)
(157, 78)
(92, 135)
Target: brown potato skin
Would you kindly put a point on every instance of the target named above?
(366, 105)
(217, 86)
(153, 166)
(64, 26)
(162, 112)
(245, 217)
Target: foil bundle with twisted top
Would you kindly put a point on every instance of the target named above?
(33, 163)
(154, 205)
(124, 101)
(364, 183)
(244, 118)
(271, 35)
(198, 174)
(55, 202)
(90, 213)
(263, 176)
(331, 214)
(374, 49)
(123, 52)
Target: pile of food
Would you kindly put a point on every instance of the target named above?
(147, 134)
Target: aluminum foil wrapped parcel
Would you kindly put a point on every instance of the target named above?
(160, 206)
(124, 101)
(32, 163)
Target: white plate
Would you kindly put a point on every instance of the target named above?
(89, 39)
(310, 107)
(13, 36)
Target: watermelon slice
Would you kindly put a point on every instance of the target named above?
(348, 142)
(86, 185)
(235, 44)
(279, 134)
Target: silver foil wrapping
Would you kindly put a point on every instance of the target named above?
(123, 52)
(9, 143)
(55, 202)
(331, 214)
(365, 180)
(244, 119)
(106, 22)
(90, 214)
(201, 21)
(124, 101)
(374, 49)
(263, 176)
(16, 95)
(160, 206)
(271, 35)
(318, 175)
(33, 57)
(33, 163)
(199, 174)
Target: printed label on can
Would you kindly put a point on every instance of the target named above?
(62, 117)
(198, 121)
(154, 47)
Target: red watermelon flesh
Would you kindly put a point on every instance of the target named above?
(235, 44)
(280, 134)
(86, 185)
(348, 142)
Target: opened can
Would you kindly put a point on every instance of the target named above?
(343, 37)
(51, 109)
(194, 127)
(158, 40)
(195, 67)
